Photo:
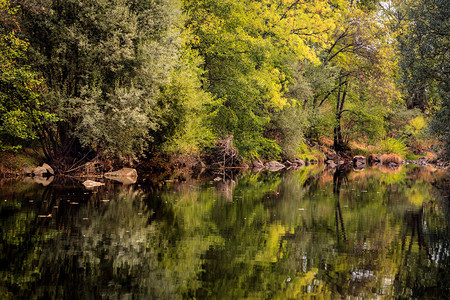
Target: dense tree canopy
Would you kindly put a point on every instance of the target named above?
(425, 60)
(121, 78)
(20, 87)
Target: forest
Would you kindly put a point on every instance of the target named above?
(132, 80)
(161, 126)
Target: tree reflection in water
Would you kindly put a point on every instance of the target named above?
(265, 235)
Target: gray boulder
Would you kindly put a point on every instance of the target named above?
(125, 180)
(124, 175)
(45, 169)
(274, 166)
(359, 160)
(49, 169)
(39, 171)
(122, 172)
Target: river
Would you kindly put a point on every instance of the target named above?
(328, 234)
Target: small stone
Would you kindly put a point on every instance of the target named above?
(91, 184)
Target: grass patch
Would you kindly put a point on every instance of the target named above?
(359, 151)
(13, 162)
(307, 153)
(392, 146)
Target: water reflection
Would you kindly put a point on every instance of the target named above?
(310, 232)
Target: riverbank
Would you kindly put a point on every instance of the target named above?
(30, 161)
(14, 164)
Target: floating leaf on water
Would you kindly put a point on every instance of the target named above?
(45, 216)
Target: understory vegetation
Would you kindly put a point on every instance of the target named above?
(136, 79)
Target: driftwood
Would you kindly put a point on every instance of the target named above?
(225, 155)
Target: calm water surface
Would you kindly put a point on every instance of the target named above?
(290, 235)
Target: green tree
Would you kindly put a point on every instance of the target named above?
(425, 60)
(362, 52)
(111, 66)
(248, 47)
(20, 87)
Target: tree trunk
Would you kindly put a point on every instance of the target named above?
(339, 143)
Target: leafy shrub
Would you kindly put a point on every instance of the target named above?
(410, 125)
(417, 124)
(391, 145)
(288, 133)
